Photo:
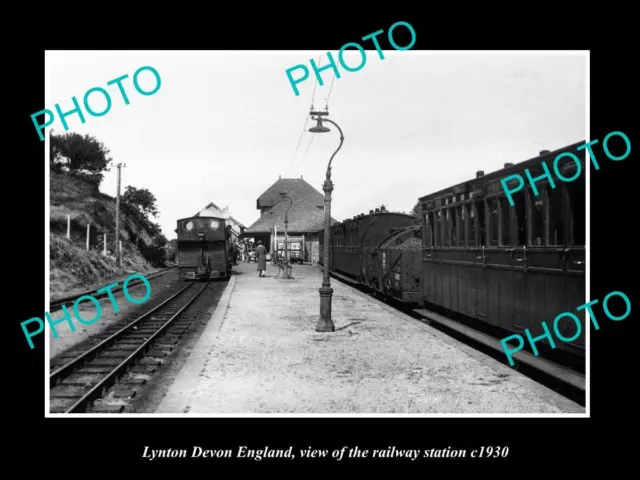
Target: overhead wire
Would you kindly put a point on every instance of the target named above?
(304, 127)
(326, 105)
(299, 164)
(326, 108)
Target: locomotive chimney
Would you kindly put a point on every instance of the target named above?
(479, 173)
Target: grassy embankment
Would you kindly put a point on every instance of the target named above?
(73, 268)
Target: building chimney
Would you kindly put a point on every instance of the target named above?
(383, 209)
(377, 210)
(479, 173)
(279, 177)
(544, 152)
(370, 212)
(301, 177)
(507, 165)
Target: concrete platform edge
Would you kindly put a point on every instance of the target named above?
(548, 394)
(177, 398)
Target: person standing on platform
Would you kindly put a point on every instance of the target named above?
(235, 253)
(261, 258)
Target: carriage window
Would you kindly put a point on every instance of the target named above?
(481, 220)
(521, 218)
(576, 193)
(430, 226)
(438, 232)
(505, 223)
(464, 226)
(537, 218)
(556, 216)
(454, 226)
(446, 228)
(462, 235)
(493, 222)
(471, 229)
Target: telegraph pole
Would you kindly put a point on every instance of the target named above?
(117, 240)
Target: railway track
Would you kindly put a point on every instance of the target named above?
(124, 359)
(59, 302)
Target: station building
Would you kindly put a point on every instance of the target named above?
(212, 210)
(305, 215)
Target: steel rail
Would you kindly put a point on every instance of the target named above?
(78, 362)
(95, 392)
(58, 303)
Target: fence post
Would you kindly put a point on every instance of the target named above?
(88, 228)
(68, 227)
(105, 245)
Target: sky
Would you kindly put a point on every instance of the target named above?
(224, 125)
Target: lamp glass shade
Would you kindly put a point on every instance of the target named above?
(319, 128)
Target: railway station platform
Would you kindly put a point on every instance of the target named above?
(260, 354)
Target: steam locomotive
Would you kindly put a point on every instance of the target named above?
(203, 248)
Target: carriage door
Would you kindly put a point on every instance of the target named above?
(428, 259)
(480, 269)
(520, 312)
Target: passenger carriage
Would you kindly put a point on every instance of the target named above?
(511, 267)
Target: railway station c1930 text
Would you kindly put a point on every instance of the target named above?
(67, 316)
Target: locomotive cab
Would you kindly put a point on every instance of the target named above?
(203, 244)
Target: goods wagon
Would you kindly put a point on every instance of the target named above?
(353, 241)
(395, 266)
(203, 248)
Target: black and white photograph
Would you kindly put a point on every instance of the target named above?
(379, 242)
(280, 242)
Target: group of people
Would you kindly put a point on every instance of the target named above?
(241, 251)
(238, 251)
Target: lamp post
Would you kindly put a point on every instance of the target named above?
(325, 324)
(274, 240)
(286, 240)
